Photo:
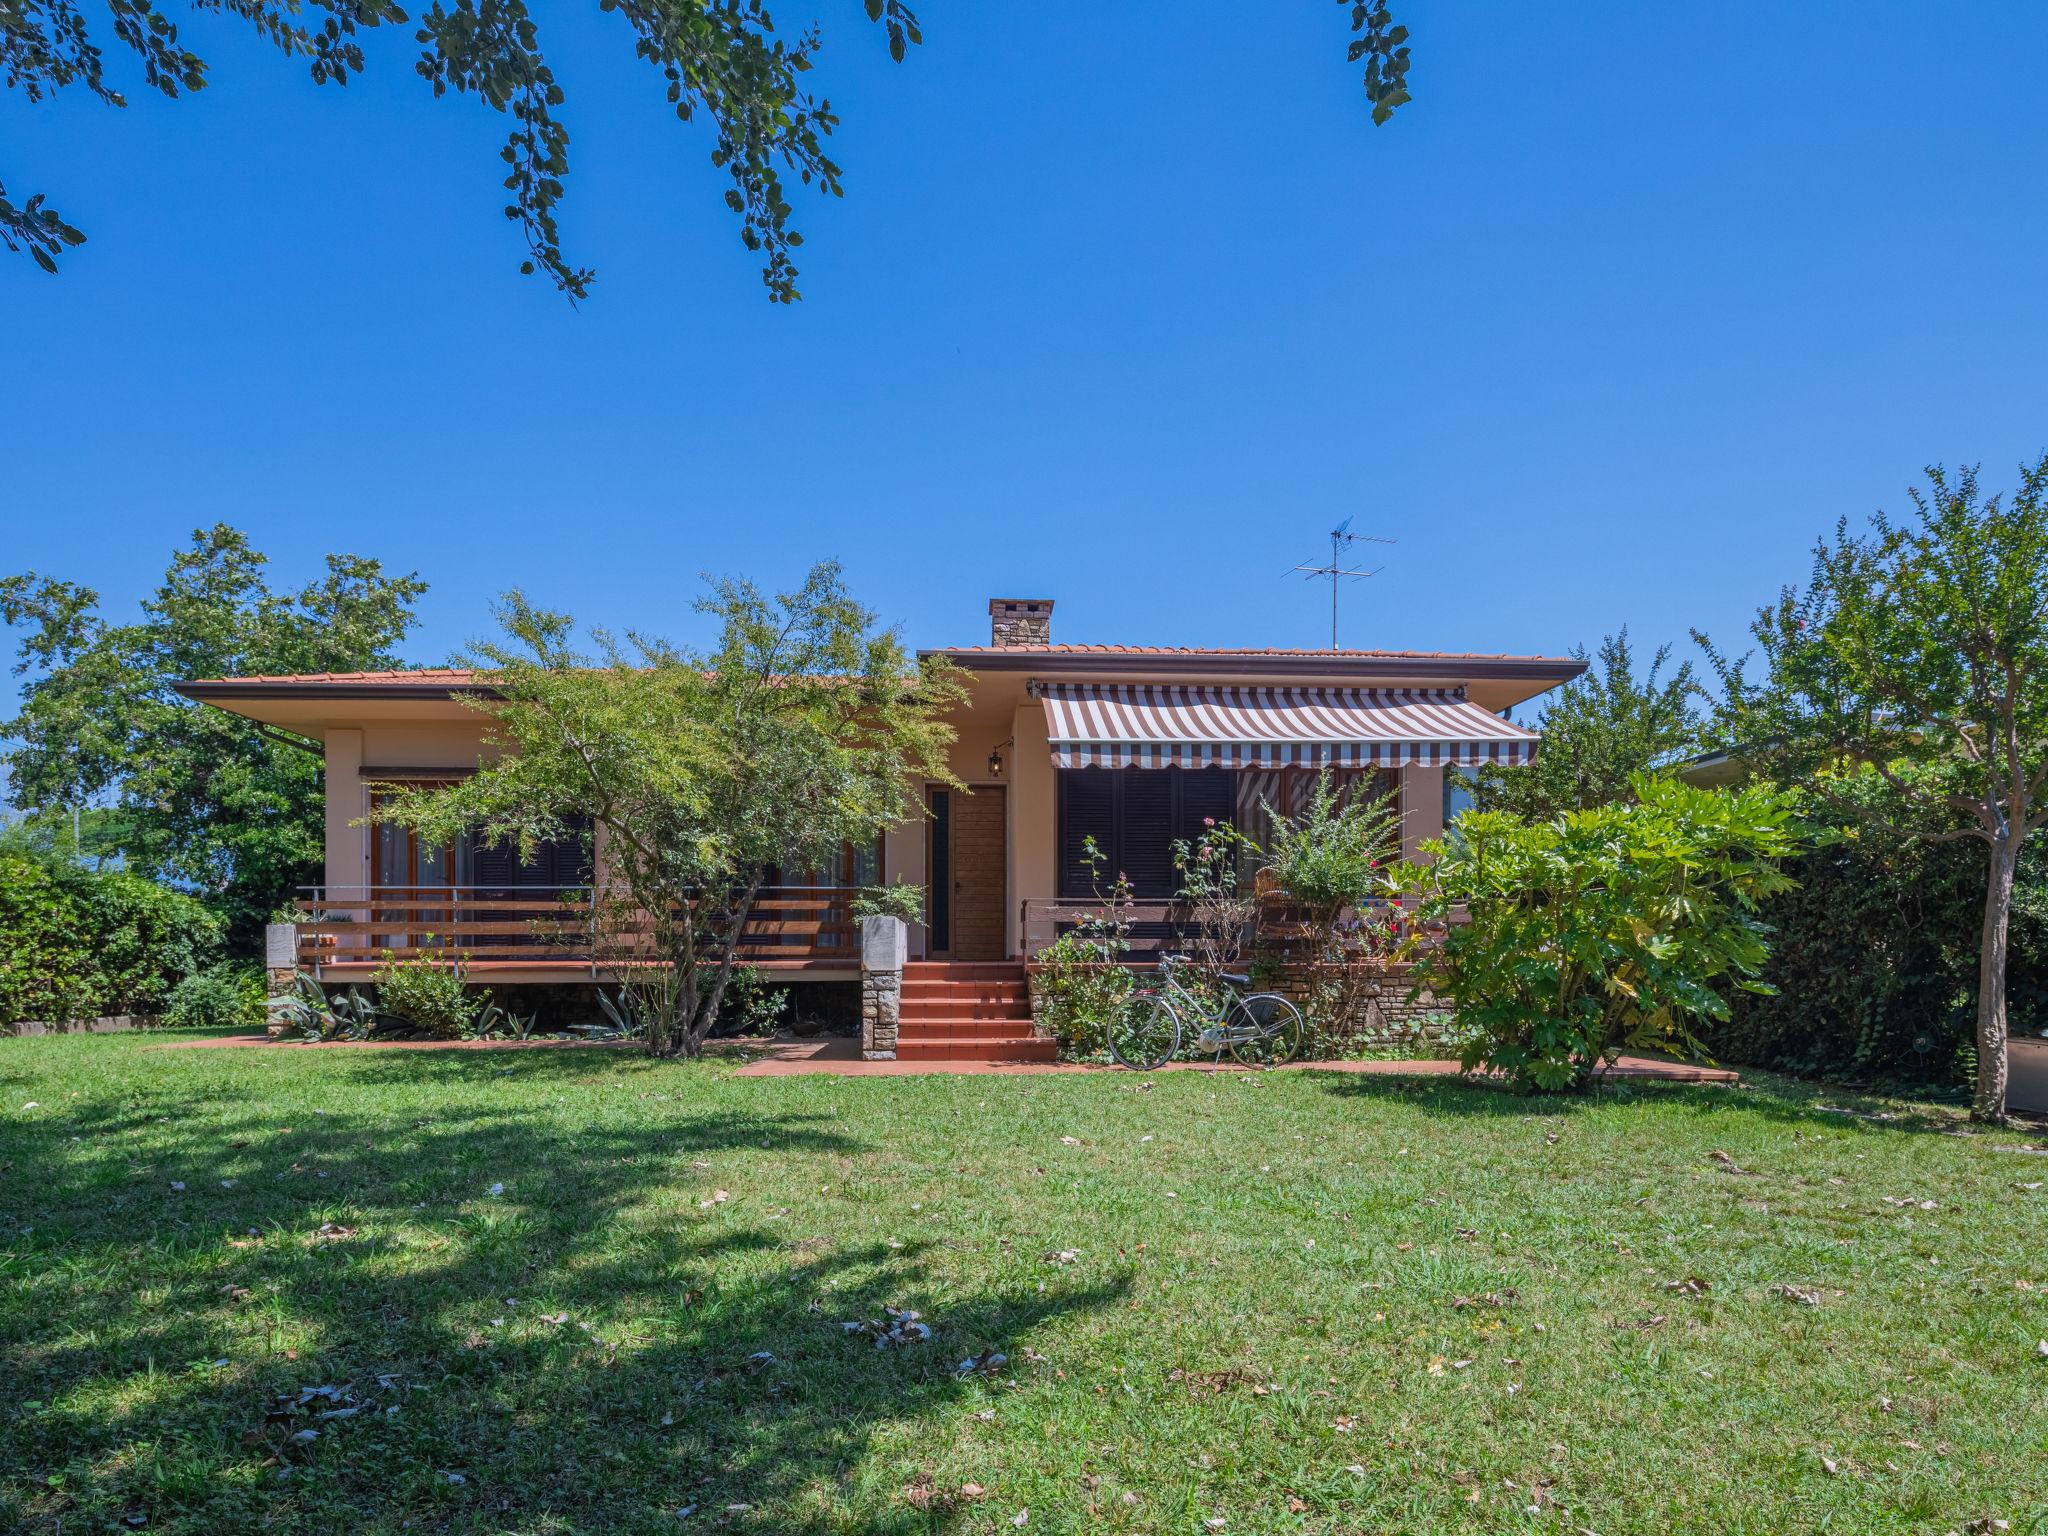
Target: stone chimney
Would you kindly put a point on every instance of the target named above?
(1014, 621)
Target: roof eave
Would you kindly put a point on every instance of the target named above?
(1546, 669)
(233, 689)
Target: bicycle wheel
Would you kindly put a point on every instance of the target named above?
(1145, 1033)
(1264, 1030)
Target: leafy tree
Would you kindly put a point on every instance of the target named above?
(719, 59)
(700, 773)
(198, 797)
(1919, 653)
(1601, 930)
(1602, 729)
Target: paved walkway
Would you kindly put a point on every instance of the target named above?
(840, 1057)
(234, 1042)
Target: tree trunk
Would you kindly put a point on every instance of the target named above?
(1991, 959)
(704, 1013)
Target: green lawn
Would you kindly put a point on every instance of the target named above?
(1293, 1302)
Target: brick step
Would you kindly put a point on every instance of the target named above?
(964, 1008)
(967, 1000)
(961, 970)
(978, 1050)
(963, 1029)
(988, 989)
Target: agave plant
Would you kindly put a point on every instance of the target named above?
(315, 1016)
(497, 1018)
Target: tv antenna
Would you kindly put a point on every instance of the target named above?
(1341, 537)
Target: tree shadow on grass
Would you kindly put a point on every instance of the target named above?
(1810, 1106)
(602, 1343)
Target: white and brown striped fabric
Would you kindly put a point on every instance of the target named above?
(1132, 725)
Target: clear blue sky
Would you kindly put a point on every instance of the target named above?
(1125, 305)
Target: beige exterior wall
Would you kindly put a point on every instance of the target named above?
(348, 842)
(1034, 816)
(1422, 808)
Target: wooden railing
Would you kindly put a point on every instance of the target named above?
(544, 927)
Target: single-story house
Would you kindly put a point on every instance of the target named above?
(1132, 745)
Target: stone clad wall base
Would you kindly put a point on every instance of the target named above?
(280, 966)
(884, 947)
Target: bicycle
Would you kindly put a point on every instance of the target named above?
(1261, 1029)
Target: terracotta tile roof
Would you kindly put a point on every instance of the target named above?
(1322, 653)
(452, 677)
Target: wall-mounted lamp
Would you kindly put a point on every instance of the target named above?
(995, 758)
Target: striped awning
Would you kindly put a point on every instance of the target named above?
(1132, 725)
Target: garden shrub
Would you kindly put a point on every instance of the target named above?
(1331, 855)
(222, 997)
(1875, 960)
(750, 1005)
(1079, 991)
(1602, 930)
(431, 995)
(78, 943)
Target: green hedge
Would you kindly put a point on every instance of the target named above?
(1875, 959)
(77, 943)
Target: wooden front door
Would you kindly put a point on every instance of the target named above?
(969, 842)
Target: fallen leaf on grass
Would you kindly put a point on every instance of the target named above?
(1729, 1163)
(897, 1326)
(1493, 1301)
(1804, 1295)
(987, 1363)
(717, 1197)
(1692, 1285)
(333, 1231)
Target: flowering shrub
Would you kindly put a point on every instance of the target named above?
(1222, 911)
(1081, 983)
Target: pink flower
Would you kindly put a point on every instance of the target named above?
(1208, 821)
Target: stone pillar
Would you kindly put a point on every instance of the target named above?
(280, 967)
(884, 946)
